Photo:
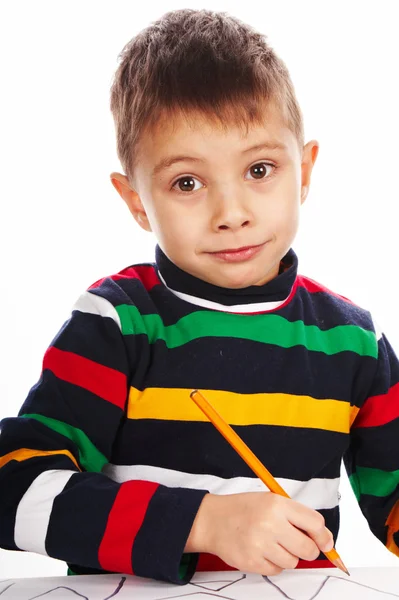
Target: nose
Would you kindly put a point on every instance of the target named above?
(230, 212)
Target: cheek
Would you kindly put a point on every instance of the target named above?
(283, 206)
(286, 217)
(176, 216)
(173, 227)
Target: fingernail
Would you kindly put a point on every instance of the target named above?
(329, 546)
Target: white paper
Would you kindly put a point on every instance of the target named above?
(303, 584)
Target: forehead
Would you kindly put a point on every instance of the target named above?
(185, 134)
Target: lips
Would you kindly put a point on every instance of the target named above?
(235, 255)
(232, 250)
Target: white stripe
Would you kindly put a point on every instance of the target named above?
(34, 510)
(96, 305)
(241, 308)
(378, 329)
(316, 493)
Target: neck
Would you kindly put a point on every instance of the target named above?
(253, 298)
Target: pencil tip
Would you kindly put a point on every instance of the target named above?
(338, 563)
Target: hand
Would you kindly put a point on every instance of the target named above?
(258, 532)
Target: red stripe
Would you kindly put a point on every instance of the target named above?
(144, 273)
(124, 521)
(310, 286)
(315, 564)
(210, 562)
(313, 286)
(378, 410)
(109, 384)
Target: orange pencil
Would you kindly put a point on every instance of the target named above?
(252, 461)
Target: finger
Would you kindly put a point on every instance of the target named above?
(280, 557)
(269, 568)
(313, 524)
(299, 544)
(261, 565)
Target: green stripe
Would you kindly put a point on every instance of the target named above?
(266, 328)
(184, 565)
(373, 482)
(90, 458)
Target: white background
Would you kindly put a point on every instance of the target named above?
(63, 226)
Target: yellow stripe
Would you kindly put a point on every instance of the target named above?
(393, 517)
(241, 409)
(393, 526)
(353, 414)
(392, 547)
(25, 453)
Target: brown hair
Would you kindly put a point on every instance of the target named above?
(198, 60)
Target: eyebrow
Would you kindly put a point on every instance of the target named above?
(167, 162)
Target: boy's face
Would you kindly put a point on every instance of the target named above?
(222, 194)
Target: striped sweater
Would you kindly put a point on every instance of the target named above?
(109, 459)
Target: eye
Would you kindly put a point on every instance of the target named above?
(186, 184)
(259, 169)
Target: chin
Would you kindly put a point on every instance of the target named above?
(237, 283)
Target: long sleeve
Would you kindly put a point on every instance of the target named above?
(372, 460)
(54, 498)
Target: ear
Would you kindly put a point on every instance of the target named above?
(309, 155)
(132, 199)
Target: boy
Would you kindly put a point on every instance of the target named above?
(110, 466)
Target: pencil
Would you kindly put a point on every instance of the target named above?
(252, 461)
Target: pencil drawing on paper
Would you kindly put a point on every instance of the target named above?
(73, 592)
(282, 594)
(324, 582)
(212, 588)
(7, 587)
(205, 586)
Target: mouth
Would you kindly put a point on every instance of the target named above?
(236, 249)
(237, 254)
